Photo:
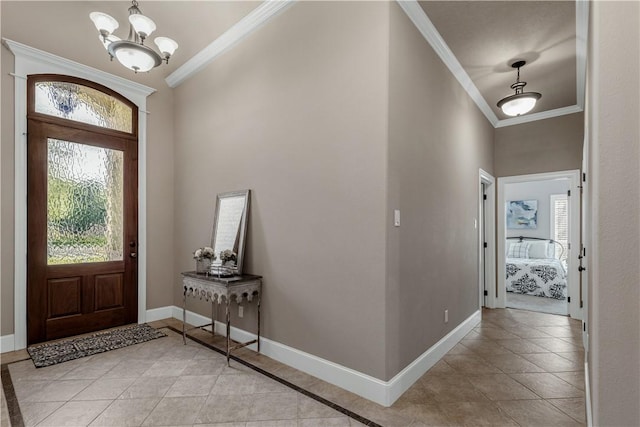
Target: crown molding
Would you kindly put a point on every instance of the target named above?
(539, 116)
(75, 68)
(247, 25)
(422, 22)
(582, 35)
(424, 25)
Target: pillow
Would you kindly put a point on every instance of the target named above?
(519, 250)
(539, 249)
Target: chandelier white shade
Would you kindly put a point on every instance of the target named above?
(133, 53)
(521, 102)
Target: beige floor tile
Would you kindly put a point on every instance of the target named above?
(555, 344)
(165, 368)
(175, 411)
(224, 408)
(501, 387)
(14, 356)
(441, 368)
(450, 388)
(557, 331)
(26, 389)
(192, 386)
(128, 412)
(242, 424)
(105, 388)
(34, 412)
(459, 349)
(526, 332)
(486, 346)
(522, 346)
(58, 391)
(511, 363)
(273, 406)
(211, 366)
(80, 413)
(26, 370)
(476, 414)
(536, 413)
(495, 333)
(426, 413)
(575, 408)
(131, 368)
(547, 385)
(576, 379)
(551, 362)
(467, 364)
(311, 408)
(148, 387)
(332, 393)
(388, 417)
(234, 384)
(274, 423)
(325, 422)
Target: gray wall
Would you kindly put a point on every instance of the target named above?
(438, 139)
(298, 114)
(548, 145)
(613, 182)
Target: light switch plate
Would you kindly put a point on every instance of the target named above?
(396, 217)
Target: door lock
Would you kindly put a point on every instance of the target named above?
(133, 255)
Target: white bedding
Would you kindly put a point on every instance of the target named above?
(544, 277)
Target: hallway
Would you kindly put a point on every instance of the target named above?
(515, 368)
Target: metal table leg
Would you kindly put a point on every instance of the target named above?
(228, 331)
(184, 316)
(259, 294)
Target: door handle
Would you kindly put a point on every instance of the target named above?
(133, 255)
(581, 268)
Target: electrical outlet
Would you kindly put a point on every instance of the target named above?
(446, 316)
(240, 311)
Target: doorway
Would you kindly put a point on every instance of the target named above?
(82, 208)
(486, 240)
(538, 233)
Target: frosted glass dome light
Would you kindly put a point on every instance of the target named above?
(521, 102)
(166, 46)
(104, 23)
(142, 25)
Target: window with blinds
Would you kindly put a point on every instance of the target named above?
(560, 222)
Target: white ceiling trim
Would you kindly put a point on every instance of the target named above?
(422, 22)
(254, 20)
(582, 33)
(119, 84)
(539, 116)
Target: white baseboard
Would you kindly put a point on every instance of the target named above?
(587, 395)
(7, 343)
(158, 314)
(409, 375)
(374, 389)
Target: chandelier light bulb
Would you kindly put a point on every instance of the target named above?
(104, 23)
(143, 25)
(166, 46)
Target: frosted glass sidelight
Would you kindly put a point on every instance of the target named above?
(84, 203)
(83, 104)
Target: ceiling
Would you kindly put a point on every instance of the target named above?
(488, 36)
(477, 40)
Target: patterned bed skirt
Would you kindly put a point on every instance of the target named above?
(539, 277)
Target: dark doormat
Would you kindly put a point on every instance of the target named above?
(63, 351)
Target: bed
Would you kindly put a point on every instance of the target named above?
(533, 267)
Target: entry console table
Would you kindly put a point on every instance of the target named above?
(216, 289)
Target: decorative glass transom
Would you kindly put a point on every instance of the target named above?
(83, 104)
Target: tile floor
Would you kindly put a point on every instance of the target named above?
(515, 368)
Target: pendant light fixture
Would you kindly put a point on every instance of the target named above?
(520, 102)
(132, 53)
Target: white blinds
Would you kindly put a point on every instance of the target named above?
(560, 221)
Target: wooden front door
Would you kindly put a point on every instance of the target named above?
(82, 208)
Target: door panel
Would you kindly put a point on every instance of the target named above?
(82, 207)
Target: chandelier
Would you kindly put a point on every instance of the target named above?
(520, 102)
(133, 53)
